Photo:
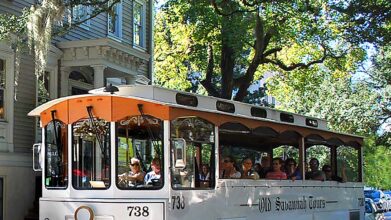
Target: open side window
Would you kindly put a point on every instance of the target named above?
(192, 153)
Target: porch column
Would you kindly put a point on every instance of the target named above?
(99, 75)
(130, 80)
(65, 71)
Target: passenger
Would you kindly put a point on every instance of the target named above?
(258, 168)
(153, 176)
(315, 173)
(248, 172)
(331, 177)
(265, 162)
(229, 171)
(291, 170)
(204, 175)
(135, 176)
(276, 173)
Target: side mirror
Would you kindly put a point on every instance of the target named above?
(37, 157)
(179, 147)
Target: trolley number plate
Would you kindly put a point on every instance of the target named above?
(145, 211)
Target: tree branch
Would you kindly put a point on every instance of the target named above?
(261, 43)
(272, 51)
(220, 11)
(291, 67)
(104, 6)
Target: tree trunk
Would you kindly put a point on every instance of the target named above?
(227, 60)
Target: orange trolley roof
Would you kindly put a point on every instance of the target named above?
(118, 106)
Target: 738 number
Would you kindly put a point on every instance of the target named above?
(178, 202)
(138, 211)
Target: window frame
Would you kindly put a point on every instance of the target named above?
(66, 157)
(7, 123)
(3, 77)
(213, 161)
(85, 25)
(117, 35)
(162, 161)
(142, 44)
(73, 153)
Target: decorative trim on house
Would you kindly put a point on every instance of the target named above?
(103, 51)
(142, 80)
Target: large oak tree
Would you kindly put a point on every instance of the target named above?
(226, 45)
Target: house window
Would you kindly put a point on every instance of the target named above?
(138, 24)
(81, 13)
(2, 87)
(7, 78)
(114, 21)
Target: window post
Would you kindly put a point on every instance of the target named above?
(333, 159)
(360, 164)
(302, 156)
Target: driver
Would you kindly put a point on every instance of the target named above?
(135, 176)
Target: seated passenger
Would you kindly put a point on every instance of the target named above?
(276, 173)
(229, 171)
(257, 168)
(331, 177)
(291, 170)
(154, 176)
(248, 172)
(204, 175)
(315, 173)
(265, 166)
(135, 176)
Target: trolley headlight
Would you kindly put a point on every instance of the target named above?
(84, 212)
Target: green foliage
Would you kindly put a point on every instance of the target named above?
(225, 46)
(347, 107)
(285, 152)
(348, 157)
(380, 80)
(320, 152)
(368, 21)
(377, 163)
(13, 27)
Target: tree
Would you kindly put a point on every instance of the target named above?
(227, 45)
(377, 162)
(380, 80)
(347, 107)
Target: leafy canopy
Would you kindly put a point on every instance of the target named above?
(226, 46)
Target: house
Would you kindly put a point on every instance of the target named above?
(101, 50)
